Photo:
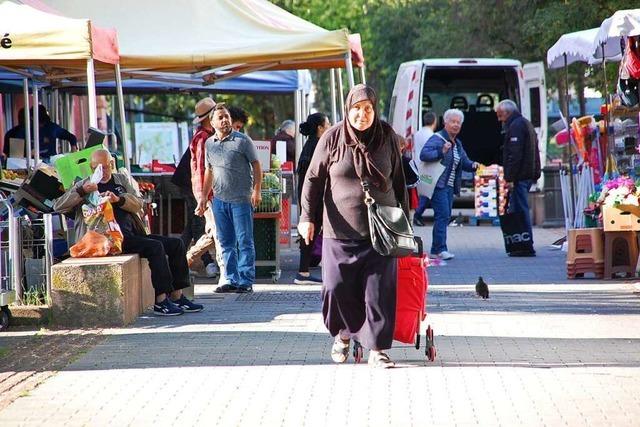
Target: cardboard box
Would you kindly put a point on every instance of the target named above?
(621, 218)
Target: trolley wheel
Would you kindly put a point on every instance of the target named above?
(358, 351)
(5, 317)
(430, 350)
(431, 354)
(276, 276)
(418, 340)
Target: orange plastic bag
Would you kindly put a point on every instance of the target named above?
(101, 220)
(92, 244)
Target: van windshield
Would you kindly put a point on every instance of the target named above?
(475, 91)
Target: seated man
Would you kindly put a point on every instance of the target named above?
(166, 255)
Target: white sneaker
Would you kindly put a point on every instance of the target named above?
(212, 271)
(446, 255)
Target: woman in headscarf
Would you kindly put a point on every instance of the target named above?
(359, 284)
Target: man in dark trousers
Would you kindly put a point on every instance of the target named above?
(166, 255)
(521, 161)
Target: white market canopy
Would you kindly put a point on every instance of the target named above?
(577, 46)
(623, 23)
(210, 37)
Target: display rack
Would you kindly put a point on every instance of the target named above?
(490, 195)
(266, 226)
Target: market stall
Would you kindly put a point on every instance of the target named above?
(250, 35)
(39, 47)
(602, 212)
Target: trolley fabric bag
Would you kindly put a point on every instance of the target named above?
(410, 295)
(515, 232)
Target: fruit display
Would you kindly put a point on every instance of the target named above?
(15, 176)
(275, 162)
(270, 181)
(271, 192)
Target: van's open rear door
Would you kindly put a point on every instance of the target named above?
(535, 107)
(404, 110)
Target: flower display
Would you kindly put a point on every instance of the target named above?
(619, 191)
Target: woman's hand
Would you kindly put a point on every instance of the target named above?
(306, 230)
(446, 147)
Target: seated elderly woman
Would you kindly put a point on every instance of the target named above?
(166, 255)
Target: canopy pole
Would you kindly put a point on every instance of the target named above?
(334, 111)
(362, 75)
(27, 120)
(349, 66)
(36, 125)
(610, 145)
(297, 99)
(123, 119)
(91, 92)
(566, 99)
(340, 93)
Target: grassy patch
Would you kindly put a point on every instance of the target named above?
(3, 351)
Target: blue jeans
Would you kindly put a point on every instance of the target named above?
(422, 206)
(441, 203)
(519, 201)
(234, 228)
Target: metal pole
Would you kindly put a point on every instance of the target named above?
(91, 92)
(334, 112)
(36, 126)
(610, 145)
(297, 99)
(123, 120)
(349, 66)
(571, 183)
(27, 120)
(362, 75)
(340, 93)
(48, 253)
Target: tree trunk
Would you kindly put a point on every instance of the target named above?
(562, 94)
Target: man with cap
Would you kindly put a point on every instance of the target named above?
(204, 108)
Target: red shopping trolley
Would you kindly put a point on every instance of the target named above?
(411, 311)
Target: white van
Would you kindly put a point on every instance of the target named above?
(474, 86)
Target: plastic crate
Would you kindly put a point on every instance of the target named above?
(265, 239)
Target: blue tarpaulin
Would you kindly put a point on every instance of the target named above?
(256, 82)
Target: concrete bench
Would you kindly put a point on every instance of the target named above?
(100, 292)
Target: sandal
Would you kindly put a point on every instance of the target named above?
(340, 350)
(378, 359)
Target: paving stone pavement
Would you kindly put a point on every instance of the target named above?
(546, 352)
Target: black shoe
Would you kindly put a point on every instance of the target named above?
(522, 254)
(188, 306)
(167, 308)
(226, 289)
(418, 222)
(244, 289)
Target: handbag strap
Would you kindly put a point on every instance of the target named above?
(368, 198)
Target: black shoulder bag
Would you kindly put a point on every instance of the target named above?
(389, 228)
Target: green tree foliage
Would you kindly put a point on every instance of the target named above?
(394, 31)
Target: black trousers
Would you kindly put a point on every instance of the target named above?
(194, 226)
(359, 292)
(167, 260)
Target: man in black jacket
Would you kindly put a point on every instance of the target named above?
(521, 161)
